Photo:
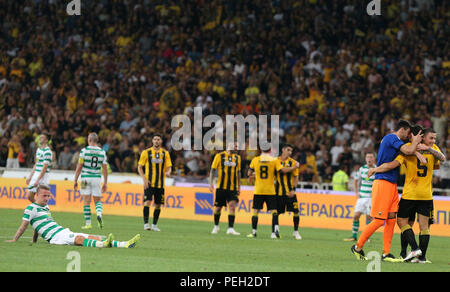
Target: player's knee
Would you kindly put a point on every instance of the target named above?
(392, 215)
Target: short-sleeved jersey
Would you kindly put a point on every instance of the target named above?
(43, 156)
(41, 220)
(155, 163)
(285, 181)
(92, 158)
(365, 187)
(228, 167)
(389, 149)
(419, 176)
(265, 172)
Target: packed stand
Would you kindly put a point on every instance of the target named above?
(338, 78)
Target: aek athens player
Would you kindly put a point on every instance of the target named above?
(154, 165)
(417, 196)
(228, 166)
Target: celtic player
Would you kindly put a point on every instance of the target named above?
(90, 163)
(42, 166)
(38, 214)
(363, 193)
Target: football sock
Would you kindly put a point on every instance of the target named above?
(409, 237)
(355, 228)
(92, 243)
(388, 233)
(424, 239)
(116, 243)
(403, 245)
(296, 220)
(274, 221)
(99, 208)
(216, 218)
(231, 218)
(87, 214)
(368, 231)
(156, 213)
(146, 214)
(254, 222)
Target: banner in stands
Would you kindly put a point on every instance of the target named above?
(318, 209)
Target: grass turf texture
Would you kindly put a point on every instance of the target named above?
(188, 246)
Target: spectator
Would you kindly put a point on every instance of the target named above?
(65, 159)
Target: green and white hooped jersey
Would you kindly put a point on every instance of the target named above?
(92, 158)
(43, 156)
(365, 189)
(40, 218)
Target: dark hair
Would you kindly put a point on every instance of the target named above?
(403, 124)
(47, 134)
(416, 129)
(428, 130)
(157, 135)
(287, 145)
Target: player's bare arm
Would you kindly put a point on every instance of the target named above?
(421, 158)
(437, 154)
(142, 175)
(105, 178)
(212, 173)
(20, 231)
(292, 193)
(77, 175)
(413, 147)
(290, 169)
(31, 175)
(383, 168)
(251, 175)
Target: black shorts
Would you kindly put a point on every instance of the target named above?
(259, 200)
(409, 208)
(157, 193)
(285, 203)
(225, 196)
(412, 215)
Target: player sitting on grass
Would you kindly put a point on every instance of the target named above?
(38, 214)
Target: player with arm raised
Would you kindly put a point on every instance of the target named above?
(92, 159)
(417, 196)
(228, 166)
(384, 190)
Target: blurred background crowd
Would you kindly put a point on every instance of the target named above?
(338, 79)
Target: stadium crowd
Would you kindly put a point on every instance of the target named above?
(338, 78)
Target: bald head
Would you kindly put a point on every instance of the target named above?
(93, 138)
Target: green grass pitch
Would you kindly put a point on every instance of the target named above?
(188, 246)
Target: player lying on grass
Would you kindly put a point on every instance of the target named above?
(38, 214)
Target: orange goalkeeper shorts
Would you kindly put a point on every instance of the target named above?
(384, 199)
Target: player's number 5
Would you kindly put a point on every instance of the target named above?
(422, 169)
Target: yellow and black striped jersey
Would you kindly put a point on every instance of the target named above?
(264, 168)
(419, 176)
(285, 181)
(155, 163)
(228, 166)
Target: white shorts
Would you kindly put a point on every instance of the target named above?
(44, 180)
(91, 186)
(363, 205)
(66, 237)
